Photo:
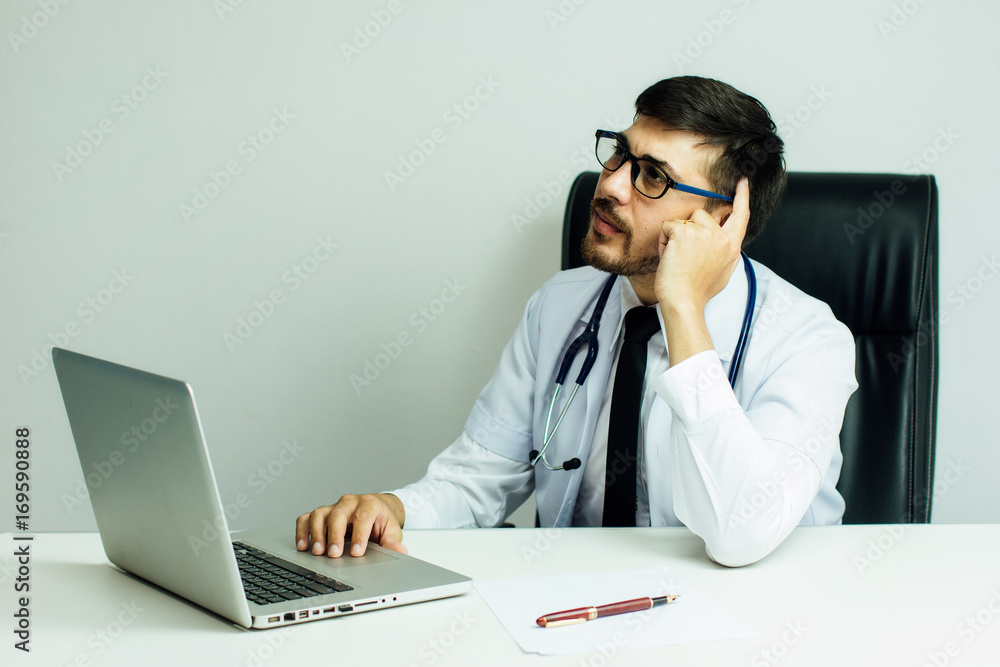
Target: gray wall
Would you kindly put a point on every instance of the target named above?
(167, 167)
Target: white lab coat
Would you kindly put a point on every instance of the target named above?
(740, 468)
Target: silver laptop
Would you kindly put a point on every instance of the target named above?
(160, 515)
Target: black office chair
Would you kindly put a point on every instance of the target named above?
(867, 245)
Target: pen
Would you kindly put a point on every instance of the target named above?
(571, 616)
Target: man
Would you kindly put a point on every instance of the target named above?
(694, 178)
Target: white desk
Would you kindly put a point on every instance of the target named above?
(858, 595)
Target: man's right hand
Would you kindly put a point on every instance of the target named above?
(378, 517)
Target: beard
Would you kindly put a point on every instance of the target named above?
(630, 263)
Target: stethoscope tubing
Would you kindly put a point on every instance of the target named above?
(589, 338)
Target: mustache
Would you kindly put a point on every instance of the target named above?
(607, 209)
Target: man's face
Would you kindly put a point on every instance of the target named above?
(625, 226)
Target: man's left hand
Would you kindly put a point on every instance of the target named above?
(698, 256)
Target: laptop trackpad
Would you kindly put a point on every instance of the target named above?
(280, 544)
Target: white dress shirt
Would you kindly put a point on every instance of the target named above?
(740, 469)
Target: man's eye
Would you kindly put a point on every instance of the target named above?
(652, 175)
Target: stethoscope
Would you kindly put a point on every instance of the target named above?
(589, 338)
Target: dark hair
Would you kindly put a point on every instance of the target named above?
(735, 122)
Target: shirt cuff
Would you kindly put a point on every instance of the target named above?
(419, 512)
(697, 388)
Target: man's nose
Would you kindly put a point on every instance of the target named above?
(617, 185)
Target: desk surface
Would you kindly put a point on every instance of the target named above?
(855, 595)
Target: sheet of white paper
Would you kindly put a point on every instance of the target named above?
(691, 618)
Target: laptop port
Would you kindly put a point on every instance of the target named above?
(345, 607)
(303, 614)
(329, 610)
(273, 619)
(362, 604)
(290, 616)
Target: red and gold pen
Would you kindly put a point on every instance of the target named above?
(571, 616)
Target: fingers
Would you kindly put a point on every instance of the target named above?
(736, 224)
(310, 530)
(318, 530)
(361, 529)
(699, 223)
(341, 515)
(392, 538)
(324, 526)
(395, 546)
(376, 519)
(671, 228)
(302, 532)
(366, 517)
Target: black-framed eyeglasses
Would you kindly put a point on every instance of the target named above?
(647, 177)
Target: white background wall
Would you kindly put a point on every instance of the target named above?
(885, 80)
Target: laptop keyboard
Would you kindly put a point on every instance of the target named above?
(268, 579)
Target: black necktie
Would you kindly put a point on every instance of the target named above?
(626, 406)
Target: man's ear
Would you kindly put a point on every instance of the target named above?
(722, 214)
